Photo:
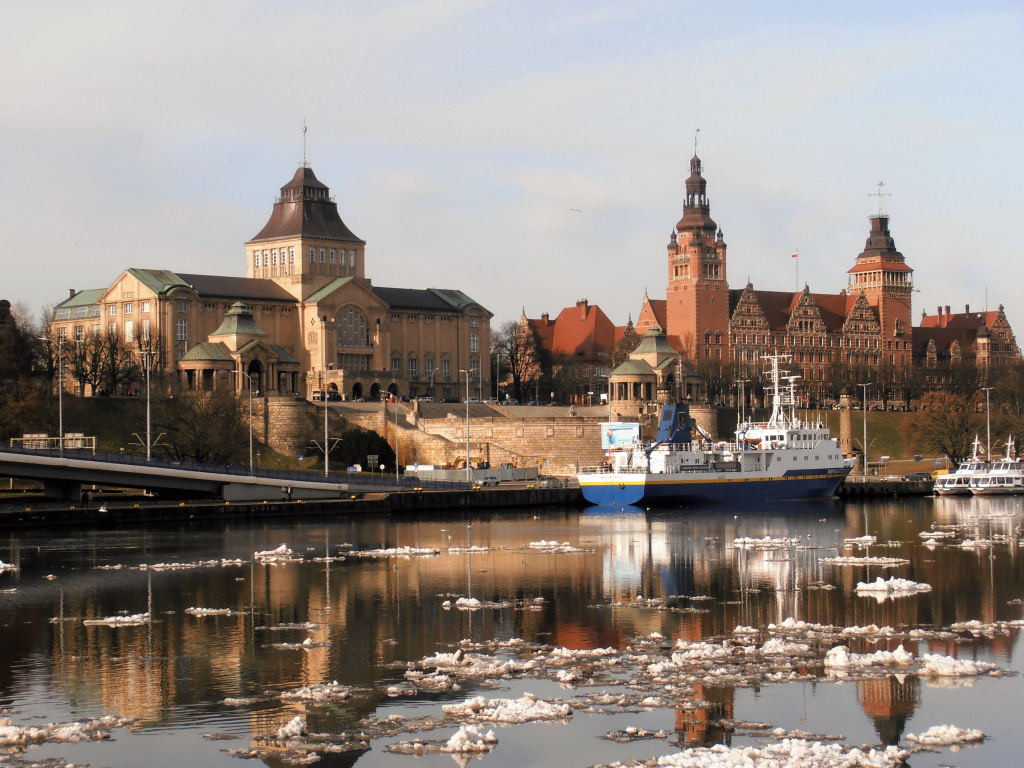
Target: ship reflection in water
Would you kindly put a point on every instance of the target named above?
(328, 615)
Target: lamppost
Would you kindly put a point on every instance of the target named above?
(865, 405)
(469, 472)
(249, 379)
(323, 321)
(60, 388)
(147, 356)
(396, 438)
(988, 426)
(741, 411)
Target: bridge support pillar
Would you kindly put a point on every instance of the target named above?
(66, 490)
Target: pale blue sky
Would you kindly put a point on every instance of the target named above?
(457, 135)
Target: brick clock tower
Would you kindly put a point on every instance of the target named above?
(697, 307)
(888, 283)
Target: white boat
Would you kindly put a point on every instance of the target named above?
(958, 483)
(781, 459)
(1005, 477)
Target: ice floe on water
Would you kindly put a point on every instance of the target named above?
(946, 736)
(308, 626)
(132, 620)
(766, 542)
(283, 554)
(527, 709)
(894, 587)
(473, 604)
(397, 552)
(19, 737)
(840, 657)
(474, 550)
(211, 612)
(554, 547)
(469, 739)
(885, 562)
(788, 753)
(946, 666)
(859, 541)
(7, 567)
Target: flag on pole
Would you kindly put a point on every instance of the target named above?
(796, 254)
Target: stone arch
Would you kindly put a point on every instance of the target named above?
(255, 369)
(393, 389)
(375, 391)
(357, 391)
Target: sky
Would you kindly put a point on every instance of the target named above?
(529, 153)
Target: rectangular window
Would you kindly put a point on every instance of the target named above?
(332, 255)
(182, 307)
(474, 322)
(182, 327)
(96, 330)
(129, 330)
(323, 255)
(428, 367)
(79, 333)
(62, 333)
(312, 255)
(474, 368)
(413, 368)
(446, 369)
(474, 342)
(291, 255)
(352, 259)
(79, 312)
(273, 257)
(112, 329)
(266, 257)
(127, 309)
(143, 307)
(112, 310)
(255, 259)
(396, 363)
(145, 329)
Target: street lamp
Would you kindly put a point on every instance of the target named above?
(865, 405)
(249, 377)
(469, 472)
(147, 356)
(326, 433)
(60, 388)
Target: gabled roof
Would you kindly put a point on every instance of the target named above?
(970, 320)
(429, 299)
(583, 331)
(82, 298)
(778, 306)
(943, 338)
(207, 351)
(224, 287)
(633, 368)
(328, 289)
(159, 281)
(283, 358)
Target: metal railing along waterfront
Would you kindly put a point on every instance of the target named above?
(354, 480)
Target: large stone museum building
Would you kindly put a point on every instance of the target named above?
(304, 310)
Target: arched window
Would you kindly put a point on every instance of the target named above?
(353, 330)
(396, 362)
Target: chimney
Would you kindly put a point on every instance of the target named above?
(544, 318)
(71, 293)
(967, 308)
(582, 306)
(947, 310)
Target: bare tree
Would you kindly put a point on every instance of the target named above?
(948, 423)
(118, 364)
(85, 361)
(203, 426)
(516, 344)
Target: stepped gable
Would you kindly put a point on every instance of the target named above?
(306, 209)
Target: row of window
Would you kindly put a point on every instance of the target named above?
(271, 257)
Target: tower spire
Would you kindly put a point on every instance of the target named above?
(305, 162)
(695, 135)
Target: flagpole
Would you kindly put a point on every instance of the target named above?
(796, 265)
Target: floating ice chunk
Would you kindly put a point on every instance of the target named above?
(885, 562)
(947, 666)
(296, 727)
(398, 552)
(135, 620)
(764, 543)
(209, 611)
(469, 739)
(280, 555)
(860, 541)
(473, 550)
(778, 647)
(788, 753)
(882, 589)
(553, 547)
(322, 692)
(7, 567)
(840, 657)
(527, 709)
(945, 736)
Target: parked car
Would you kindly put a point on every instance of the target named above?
(333, 396)
(486, 480)
(426, 399)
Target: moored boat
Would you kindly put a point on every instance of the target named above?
(784, 458)
(1004, 478)
(958, 483)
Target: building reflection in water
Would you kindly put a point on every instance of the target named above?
(703, 724)
(370, 613)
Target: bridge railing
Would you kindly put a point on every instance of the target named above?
(355, 480)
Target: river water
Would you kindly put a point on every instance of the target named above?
(193, 688)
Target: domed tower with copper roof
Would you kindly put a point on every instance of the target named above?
(305, 244)
(697, 309)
